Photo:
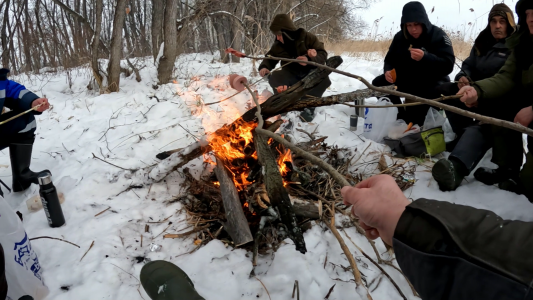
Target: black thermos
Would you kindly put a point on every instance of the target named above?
(50, 201)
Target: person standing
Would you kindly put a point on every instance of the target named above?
(19, 134)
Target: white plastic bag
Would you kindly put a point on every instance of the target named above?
(397, 129)
(433, 119)
(23, 271)
(378, 121)
(449, 135)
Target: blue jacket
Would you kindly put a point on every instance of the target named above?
(13, 95)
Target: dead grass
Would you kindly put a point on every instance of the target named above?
(372, 49)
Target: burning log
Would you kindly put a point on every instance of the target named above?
(236, 225)
(277, 193)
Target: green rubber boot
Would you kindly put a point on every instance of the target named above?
(165, 281)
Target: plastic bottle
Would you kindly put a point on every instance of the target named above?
(23, 271)
(50, 200)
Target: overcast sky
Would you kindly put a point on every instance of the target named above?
(452, 14)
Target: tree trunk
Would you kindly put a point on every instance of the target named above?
(116, 47)
(96, 41)
(5, 46)
(166, 62)
(158, 8)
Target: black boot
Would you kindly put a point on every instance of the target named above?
(165, 281)
(512, 185)
(20, 154)
(492, 176)
(449, 173)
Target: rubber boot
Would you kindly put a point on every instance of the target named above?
(20, 154)
(165, 281)
(449, 173)
(493, 176)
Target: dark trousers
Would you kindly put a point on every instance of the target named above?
(284, 77)
(17, 130)
(472, 146)
(415, 114)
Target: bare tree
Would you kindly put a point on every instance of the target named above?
(113, 69)
(95, 42)
(166, 62)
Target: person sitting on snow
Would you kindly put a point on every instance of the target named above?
(486, 58)
(421, 56)
(515, 76)
(294, 43)
(19, 134)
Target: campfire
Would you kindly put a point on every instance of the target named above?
(254, 193)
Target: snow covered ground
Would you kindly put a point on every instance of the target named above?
(127, 129)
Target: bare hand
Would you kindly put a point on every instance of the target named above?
(311, 53)
(43, 101)
(388, 77)
(525, 116)
(302, 58)
(463, 81)
(469, 97)
(417, 54)
(264, 72)
(379, 204)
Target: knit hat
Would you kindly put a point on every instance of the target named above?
(282, 22)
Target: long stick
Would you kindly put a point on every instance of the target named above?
(21, 114)
(349, 256)
(489, 120)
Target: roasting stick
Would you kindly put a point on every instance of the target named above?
(21, 114)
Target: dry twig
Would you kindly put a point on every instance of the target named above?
(52, 238)
(90, 247)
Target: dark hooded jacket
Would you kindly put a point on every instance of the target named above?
(516, 76)
(456, 252)
(296, 43)
(487, 57)
(438, 58)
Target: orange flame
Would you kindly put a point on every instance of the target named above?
(229, 145)
(284, 157)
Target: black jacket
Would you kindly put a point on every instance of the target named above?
(457, 252)
(302, 41)
(438, 59)
(479, 67)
